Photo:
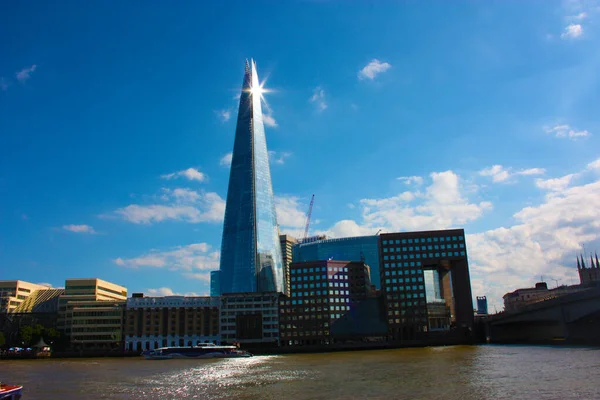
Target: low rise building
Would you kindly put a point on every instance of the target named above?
(91, 313)
(13, 293)
(153, 322)
(251, 319)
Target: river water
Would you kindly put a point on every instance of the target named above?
(456, 372)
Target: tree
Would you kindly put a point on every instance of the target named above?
(2, 339)
(26, 335)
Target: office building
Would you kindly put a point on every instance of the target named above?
(41, 301)
(250, 250)
(324, 296)
(215, 283)
(361, 248)
(13, 293)
(153, 322)
(425, 282)
(91, 313)
(482, 305)
(250, 319)
(287, 243)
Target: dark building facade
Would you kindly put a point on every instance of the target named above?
(323, 294)
(589, 274)
(425, 282)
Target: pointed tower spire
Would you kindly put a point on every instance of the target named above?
(582, 262)
(578, 265)
(250, 248)
(591, 261)
(597, 263)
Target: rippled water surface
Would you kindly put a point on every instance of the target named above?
(460, 372)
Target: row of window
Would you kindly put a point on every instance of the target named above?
(317, 277)
(401, 272)
(298, 271)
(318, 285)
(403, 280)
(424, 255)
(424, 240)
(419, 248)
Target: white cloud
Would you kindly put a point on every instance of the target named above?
(165, 291)
(291, 216)
(417, 180)
(182, 205)
(565, 131)
(594, 164)
(572, 31)
(223, 115)
(79, 229)
(24, 74)
(268, 120)
(278, 157)
(372, 69)
(191, 174)
(501, 174)
(579, 17)
(555, 184)
(318, 98)
(226, 160)
(497, 172)
(441, 205)
(197, 258)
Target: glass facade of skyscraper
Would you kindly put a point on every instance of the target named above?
(344, 249)
(250, 249)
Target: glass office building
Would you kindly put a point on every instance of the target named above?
(250, 249)
(344, 249)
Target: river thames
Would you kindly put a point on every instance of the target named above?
(457, 372)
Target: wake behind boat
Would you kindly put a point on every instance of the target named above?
(203, 351)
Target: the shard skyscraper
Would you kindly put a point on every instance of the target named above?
(250, 250)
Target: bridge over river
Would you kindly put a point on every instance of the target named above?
(572, 318)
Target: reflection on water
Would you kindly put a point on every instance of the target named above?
(460, 372)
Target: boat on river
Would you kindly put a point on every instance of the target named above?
(203, 351)
(8, 392)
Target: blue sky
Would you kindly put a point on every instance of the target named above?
(116, 120)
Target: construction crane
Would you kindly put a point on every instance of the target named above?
(312, 200)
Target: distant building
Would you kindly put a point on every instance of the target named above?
(482, 305)
(41, 301)
(215, 283)
(588, 274)
(287, 244)
(251, 319)
(153, 322)
(323, 295)
(13, 293)
(516, 300)
(91, 313)
(425, 282)
(360, 248)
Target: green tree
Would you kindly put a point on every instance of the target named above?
(26, 335)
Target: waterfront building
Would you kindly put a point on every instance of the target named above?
(250, 249)
(287, 243)
(520, 298)
(153, 322)
(482, 305)
(215, 283)
(91, 313)
(251, 319)
(589, 274)
(324, 297)
(360, 248)
(41, 301)
(425, 282)
(13, 293)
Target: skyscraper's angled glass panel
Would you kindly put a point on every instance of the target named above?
(250, 249)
